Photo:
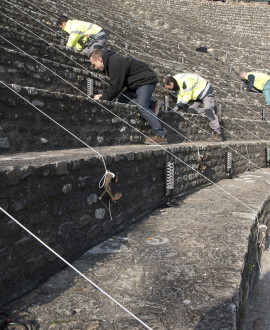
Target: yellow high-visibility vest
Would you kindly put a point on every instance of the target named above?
(79, 32)
(260, 79)
(194, 86)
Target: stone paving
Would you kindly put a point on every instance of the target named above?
(178, 268)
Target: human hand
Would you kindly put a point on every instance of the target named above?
(97, 96)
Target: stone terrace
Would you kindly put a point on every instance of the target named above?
(49, 181)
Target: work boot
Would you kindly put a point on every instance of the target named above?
(156, 139)
(215, 138)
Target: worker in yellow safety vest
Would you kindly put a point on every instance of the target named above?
(192, 92)
(84, 37)
(260, 81)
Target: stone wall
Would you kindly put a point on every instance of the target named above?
(55, 195)
(23, 128)
(252, 265)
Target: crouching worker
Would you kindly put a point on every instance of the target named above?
(192, 91)
(139, 80)
(260, 81)
(84, 37)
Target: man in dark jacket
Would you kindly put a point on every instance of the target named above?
(138, 78)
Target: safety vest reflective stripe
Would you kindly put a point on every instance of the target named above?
(191, 88)
(260, 79)
(79, 31)
(195, 85)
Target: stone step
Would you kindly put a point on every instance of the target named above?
(24, 128)
(160, 71)
(17, 67)
(192, 265)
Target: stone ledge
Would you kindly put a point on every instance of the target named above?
(55, 194)
(184, 267)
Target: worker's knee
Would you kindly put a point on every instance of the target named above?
(210, 113)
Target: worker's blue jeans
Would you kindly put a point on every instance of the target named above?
(142, 98)
(266, 92)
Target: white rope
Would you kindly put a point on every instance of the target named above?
(137, 104)
(150, 113)
(162, 53)
(107, 108)
(257, 137)
(155, 142)
(186, 47)
(69, 132)
(75, 269)
(86, 277)
(117, 115)
(155, 70)
(101, 185)
(189, 166)
(204, 177)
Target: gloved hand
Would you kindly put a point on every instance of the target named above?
(175, 109)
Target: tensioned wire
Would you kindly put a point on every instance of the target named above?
(229, 147)
(121, 118)
(225, 129)
(186, 47)
(165, 123)
(75, 269)
(93, 100)
(163, 88)
(186, 118)
(92, 283)
(86, 95)
(108, 109)
(205, 178)
(229, 107)
(198, 125)
(257, 137)
(65, 5)
(162, 147)
(80, 90)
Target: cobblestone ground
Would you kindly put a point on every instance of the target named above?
(179, 268)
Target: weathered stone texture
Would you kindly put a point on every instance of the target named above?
(62, 193)
(54, 189)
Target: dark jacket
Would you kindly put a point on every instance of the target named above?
(125, 71)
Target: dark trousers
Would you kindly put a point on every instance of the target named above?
(141, 97)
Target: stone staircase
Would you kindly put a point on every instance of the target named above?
(50, 180)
